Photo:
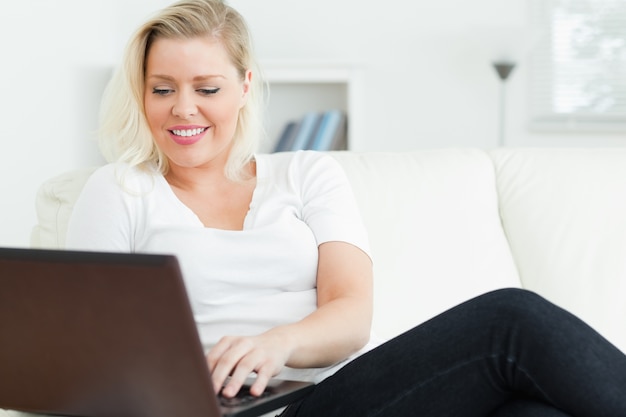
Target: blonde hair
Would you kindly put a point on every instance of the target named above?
(124, 132)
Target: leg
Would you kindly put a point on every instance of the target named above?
(474, 358)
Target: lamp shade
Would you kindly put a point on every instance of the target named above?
(503, 69)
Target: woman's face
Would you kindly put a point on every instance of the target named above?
(193, 95)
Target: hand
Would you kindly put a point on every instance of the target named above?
(238, 357)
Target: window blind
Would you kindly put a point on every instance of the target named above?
(578, 64)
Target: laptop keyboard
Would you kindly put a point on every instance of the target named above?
(242, 397)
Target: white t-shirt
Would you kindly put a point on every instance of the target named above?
(239, 282)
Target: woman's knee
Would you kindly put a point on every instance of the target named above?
(517, 297)
(517, 304)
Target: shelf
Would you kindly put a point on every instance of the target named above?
(300, 87)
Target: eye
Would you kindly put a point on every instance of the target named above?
(207, 91)
(162, 91)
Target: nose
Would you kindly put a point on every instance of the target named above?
(184, 106)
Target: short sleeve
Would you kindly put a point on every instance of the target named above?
(329, 206)
(101, 218)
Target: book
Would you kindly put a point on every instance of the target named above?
(340, 141)
(331, 133)
(287, 136)
(314, 131)
(305, 130)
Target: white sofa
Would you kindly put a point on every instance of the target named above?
(449, 224)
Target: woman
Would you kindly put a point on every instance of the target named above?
(276, 260)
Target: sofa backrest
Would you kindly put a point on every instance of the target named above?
(432, 218)
(564, 212)
(449, 224)
(435, 231)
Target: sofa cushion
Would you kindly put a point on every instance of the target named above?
(563, 211)
(436, 237)
(54, 203)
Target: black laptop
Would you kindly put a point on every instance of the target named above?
(108, 334)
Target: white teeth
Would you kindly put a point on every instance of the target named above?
(188, 132)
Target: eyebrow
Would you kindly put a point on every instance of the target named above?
(195, 79)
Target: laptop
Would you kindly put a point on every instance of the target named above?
(108, 334)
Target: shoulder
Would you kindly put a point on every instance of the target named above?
(118, 184)
(315, 177)
(301, 165)
(120, 176)
(117, 170)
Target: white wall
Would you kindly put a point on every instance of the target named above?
(56, 57)
(427, 79)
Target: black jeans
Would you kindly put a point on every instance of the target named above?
(507, 353)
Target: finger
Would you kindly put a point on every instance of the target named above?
(265, 370)
(216, 352)
(236, 363)
(244, 369)
(221, 376)
(260, 383)
(214, 357)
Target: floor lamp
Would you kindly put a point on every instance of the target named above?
(504, 70)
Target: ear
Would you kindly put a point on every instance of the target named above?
(247, 83)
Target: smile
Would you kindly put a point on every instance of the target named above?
(187, 136)
(188, 132)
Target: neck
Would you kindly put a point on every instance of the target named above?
(203, 177)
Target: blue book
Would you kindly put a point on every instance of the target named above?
(307, 125)
(314, 131)
(330, 129)
(285, 141)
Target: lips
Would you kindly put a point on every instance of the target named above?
(187, 135)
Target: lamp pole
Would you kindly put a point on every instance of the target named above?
(503, 68)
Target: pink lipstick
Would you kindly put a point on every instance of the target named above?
(187, 135)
